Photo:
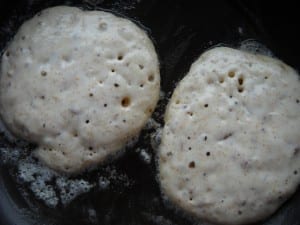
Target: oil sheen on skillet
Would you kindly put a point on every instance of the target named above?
(126, 191)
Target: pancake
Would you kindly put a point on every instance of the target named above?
(230, 151)
(79, 84)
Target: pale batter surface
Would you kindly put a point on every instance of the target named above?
(230, 151)
(79, 84)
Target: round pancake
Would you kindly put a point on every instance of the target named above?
(79, 84)
(230, 151)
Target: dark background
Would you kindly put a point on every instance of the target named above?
(181, 31)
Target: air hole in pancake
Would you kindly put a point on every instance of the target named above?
(226, 136)
(87, 121)
(43, 73)
(151, 77)
(141, 85)
(190, 113)
(91, 94)
(295, 172)
(240, 212)
(102, 26)
(231, 74)
(221, 80)
(190, 148)
(66, 58)
(241, 80)
(189, 138)
(240, 89)
(205, 138)
(205, 105)
(125, 101)
(266, 77)
(91, 148)
(7, 53)
(210, 81)
(42, 97)
(207, 153)
(23, 38)
(112, 70)
(116, 85)
(120, 57)
(169, 153)
(105, 105)
(297, 101)
(192, 164)
(100, 82)
(141, 66)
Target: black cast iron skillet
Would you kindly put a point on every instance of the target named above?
(181, 31)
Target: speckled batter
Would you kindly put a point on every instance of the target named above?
(80, 84)
(230, 151)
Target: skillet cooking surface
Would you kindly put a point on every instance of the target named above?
(181, 31)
